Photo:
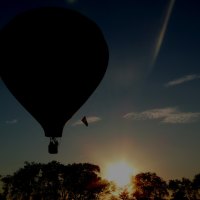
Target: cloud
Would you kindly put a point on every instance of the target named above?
(165, 115)
(90, 120)
(14, 121)
(162, 31)
(182, 80)
(181, 118)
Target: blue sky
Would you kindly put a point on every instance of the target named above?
(146, 110)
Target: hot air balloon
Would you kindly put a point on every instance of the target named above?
(52, 60)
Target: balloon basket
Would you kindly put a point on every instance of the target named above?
(53, 146)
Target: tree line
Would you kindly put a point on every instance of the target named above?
(82, 181)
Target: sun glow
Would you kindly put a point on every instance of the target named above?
(120, 173)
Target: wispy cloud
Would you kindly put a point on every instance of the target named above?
(182, 80)
(13, 121)
(165, 115)
(91, 119)
(162, 31)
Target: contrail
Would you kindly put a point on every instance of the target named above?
(162, 32)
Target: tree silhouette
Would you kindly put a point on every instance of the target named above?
(196, 186)
(82, 181)
(184, 189)
(49, 181)
(22, 183)
(124, 195)
(149, 186)
(54, 181)
(1, 194)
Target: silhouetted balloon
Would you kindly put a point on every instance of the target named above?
(52, 59)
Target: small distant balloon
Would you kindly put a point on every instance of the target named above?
(52, 60)
(84, 120)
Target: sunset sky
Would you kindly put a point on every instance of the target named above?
(146, 110)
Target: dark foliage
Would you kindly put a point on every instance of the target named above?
(54, 181)
(149, 186)
(82, 181)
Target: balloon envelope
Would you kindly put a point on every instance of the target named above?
(52, 60)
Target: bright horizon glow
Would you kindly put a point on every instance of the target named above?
(120, 173)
